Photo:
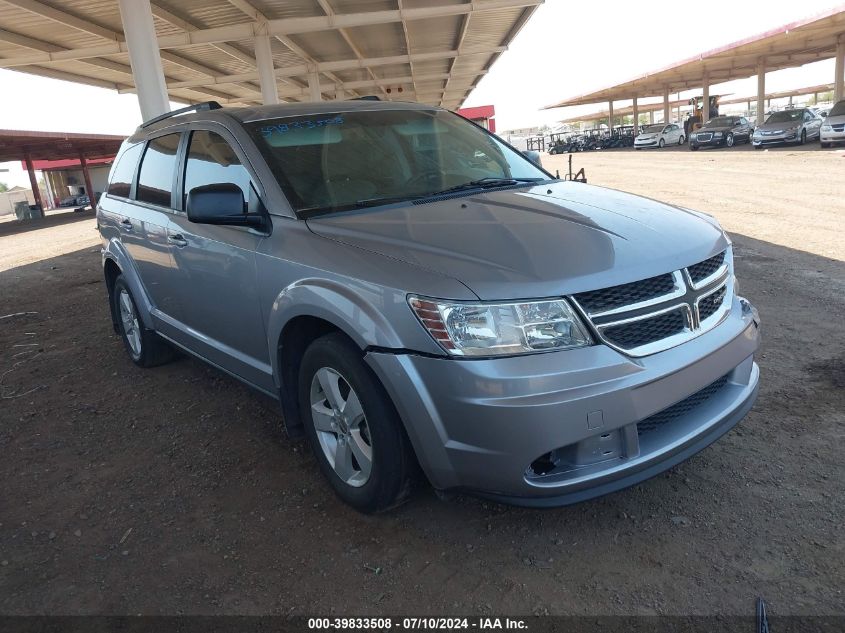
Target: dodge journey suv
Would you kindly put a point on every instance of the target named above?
(422, 299)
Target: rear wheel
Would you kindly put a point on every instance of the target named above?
(354, 429)
(144, 346)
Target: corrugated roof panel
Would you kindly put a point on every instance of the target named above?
(281, 9)
(489, 28)
(434, 33)
(379, 40)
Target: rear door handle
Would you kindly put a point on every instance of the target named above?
(178, 240)
(126, 223)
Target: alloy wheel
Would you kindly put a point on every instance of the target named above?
(129, 319)
(729, 141)
(341, 427)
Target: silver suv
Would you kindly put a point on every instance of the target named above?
(422, 299)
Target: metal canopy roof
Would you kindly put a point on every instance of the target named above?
(17, 144)
(433, 51)
(791, 45)
(642, 108)
(783, 94)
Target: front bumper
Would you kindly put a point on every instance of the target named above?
(484, 425)
(651, 143)
(776, 139)
(832, 136)
(712, 142)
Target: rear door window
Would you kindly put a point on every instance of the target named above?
(158, 169)
(120, 182)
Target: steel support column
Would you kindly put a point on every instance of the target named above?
(705, 100)
(666, 113)
(314, 93)
(266, 70)
(610, 116)
(839, 70)
(33, 182)
(636, 118)
(144, 57)
(86, 176)
(761, 91)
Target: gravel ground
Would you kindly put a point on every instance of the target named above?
(175, 491)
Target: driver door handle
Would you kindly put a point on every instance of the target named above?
(126, 223)
(177, 239)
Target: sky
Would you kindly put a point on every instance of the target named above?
(567, 48)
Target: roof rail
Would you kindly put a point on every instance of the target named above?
(197, 107)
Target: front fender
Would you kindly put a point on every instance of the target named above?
(114, 251)
(343, 306)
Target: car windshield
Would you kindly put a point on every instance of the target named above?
(350, 160)
(786, 116)
(720, 121)
(838, 109)
(652, 129)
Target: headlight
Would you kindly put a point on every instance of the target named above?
(826, 128)
(717, 135)
(693, 136)
(500, 329)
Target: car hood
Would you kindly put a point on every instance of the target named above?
(779, 126)
(835, 120)
(720, 128)
(647, 136)
(539, 241)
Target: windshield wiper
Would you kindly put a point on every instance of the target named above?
(485, 183)
(311, 212)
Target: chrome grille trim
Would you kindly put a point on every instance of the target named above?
(686, 296)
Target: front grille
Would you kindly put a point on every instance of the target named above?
(838, 127)
(645, 331)
(708, 305)
(704, 137)
(684, 407)
(626, 294)
(701, 271)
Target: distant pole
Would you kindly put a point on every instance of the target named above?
(636, 118)
(33, 181)
(761, 91)
(89, 190)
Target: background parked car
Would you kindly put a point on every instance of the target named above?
(833, 127)
(798, 125)
(722, 130)
(659, 135)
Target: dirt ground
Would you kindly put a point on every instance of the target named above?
(174, 490)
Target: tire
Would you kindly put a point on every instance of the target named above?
(693, 148)
(729, 139)
(661, 143)
(332, 373)
(681, 140)
(758, 147)
(803, 137)
(144, 346)
(823, 144)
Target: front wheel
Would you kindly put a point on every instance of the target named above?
(681, 140)
(693, 148)
(354, 429)
(145, 347)
(661, 143)
(729, 139)
(803, 137)
(823, 144)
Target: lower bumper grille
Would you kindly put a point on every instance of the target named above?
(685, 406)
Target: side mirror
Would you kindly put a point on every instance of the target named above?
(221, 203)
(533, 156)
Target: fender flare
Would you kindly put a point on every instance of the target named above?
(335, 303)
(114, 251)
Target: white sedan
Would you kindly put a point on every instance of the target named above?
(659, 135)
